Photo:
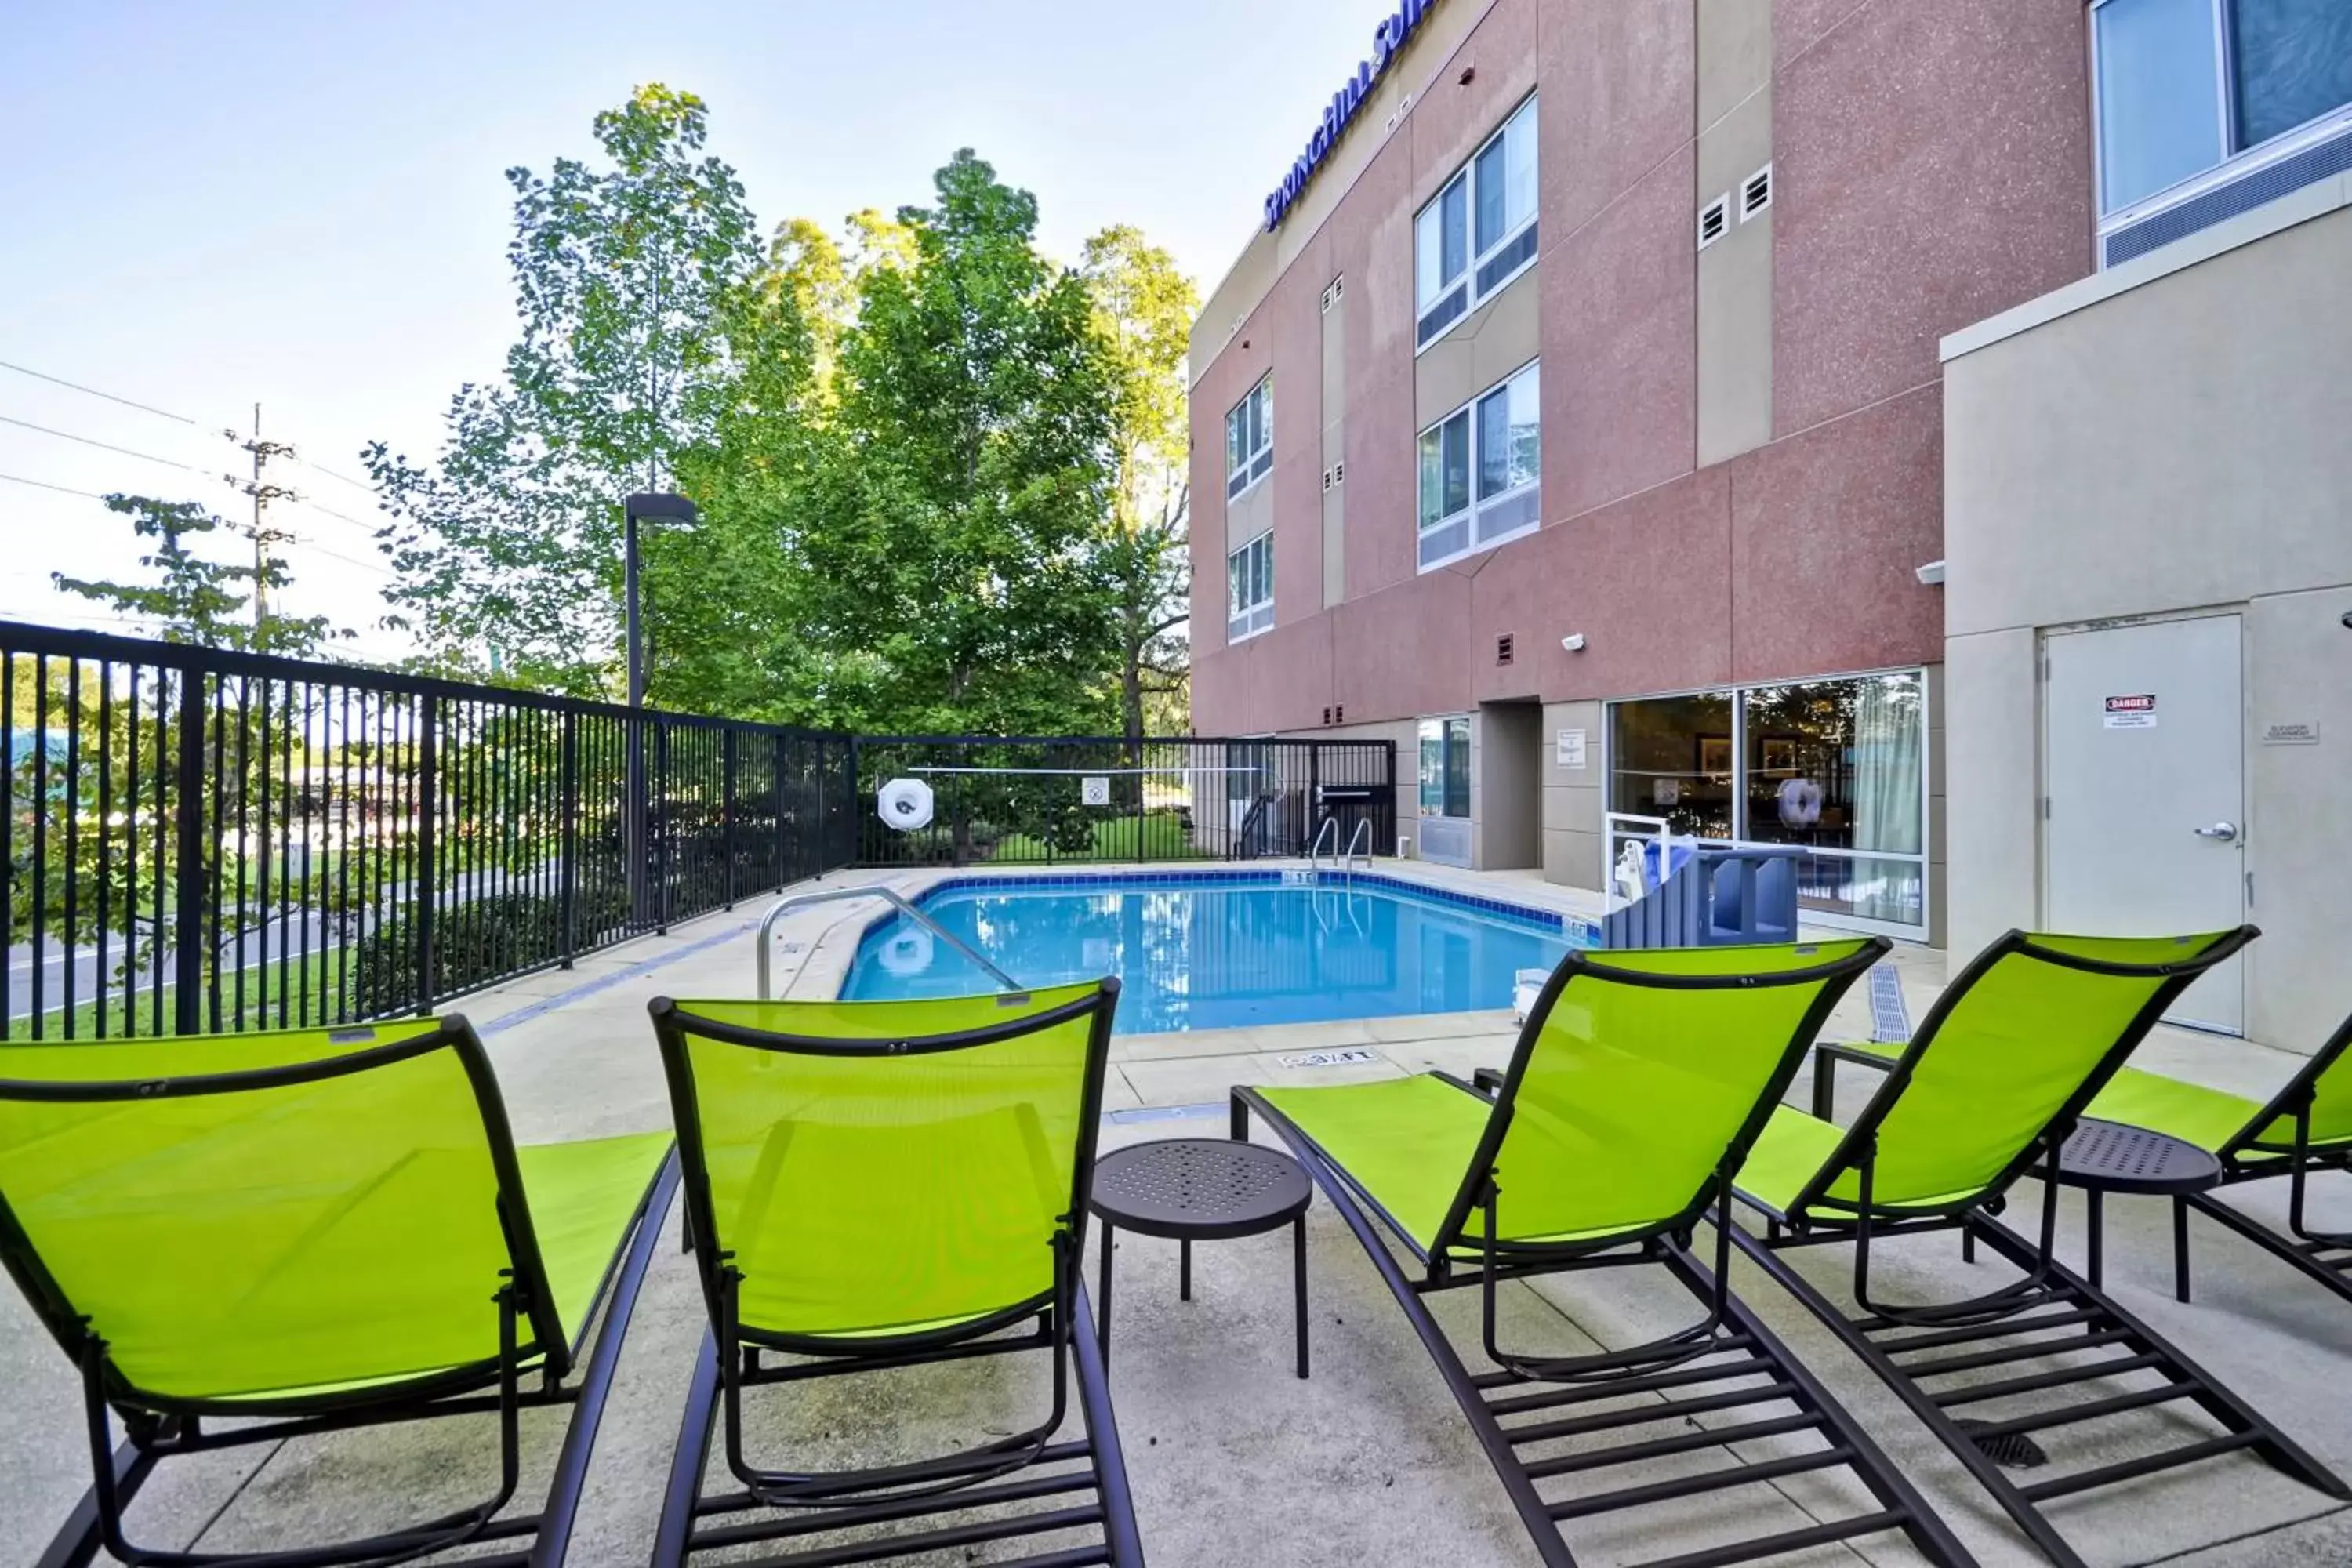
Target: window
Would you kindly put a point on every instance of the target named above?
(2185, 86)
(1249, 589)
(1481, 471)
(1479, 232)
(1249, 438)
(1837, 766)
(1445, 767)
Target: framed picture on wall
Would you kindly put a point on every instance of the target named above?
(1779, 754)
(1715, 756)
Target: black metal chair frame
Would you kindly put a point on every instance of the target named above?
(158, 1428)
(2047, 1296)
(2322, 1256)
(1707, 1367)
(806, 1508)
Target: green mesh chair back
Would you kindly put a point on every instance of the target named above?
(2326, 1082)
(2022, 1040)
(1639, 1078)
(885, 1169)
(268, 1215)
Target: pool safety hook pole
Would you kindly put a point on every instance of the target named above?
(889, 896)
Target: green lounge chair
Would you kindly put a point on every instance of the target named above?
(1990, 1086)
(2305, 1127)
(307, 1231)
(877, 1185)
(1638, 1081)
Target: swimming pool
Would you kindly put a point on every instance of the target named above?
(1220, 951)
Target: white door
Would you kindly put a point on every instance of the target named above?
(2145, 757)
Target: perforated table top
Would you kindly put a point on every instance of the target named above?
(2116, 1158)
(1200, 1189)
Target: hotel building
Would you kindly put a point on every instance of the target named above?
(1579, 416)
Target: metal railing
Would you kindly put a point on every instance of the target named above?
(767, 939)
(199, 840)
(1038, 802)
(1330, 829)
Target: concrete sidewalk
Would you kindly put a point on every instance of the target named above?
(1233, 1459)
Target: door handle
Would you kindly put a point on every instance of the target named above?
(2221, 832)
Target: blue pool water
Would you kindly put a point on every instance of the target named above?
(1219, 951)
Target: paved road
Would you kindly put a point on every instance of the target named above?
(287, 934)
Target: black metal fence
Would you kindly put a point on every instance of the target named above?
(199, 840)
(1076, 800)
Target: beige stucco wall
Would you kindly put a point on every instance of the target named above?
(1492, 342)
(1506, 787)
(1735, 273)
(1574, 799)
(2176, 438)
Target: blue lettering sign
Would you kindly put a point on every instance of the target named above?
(1387, 40)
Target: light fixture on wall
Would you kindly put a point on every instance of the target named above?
(1573, 642)
(1931, 575)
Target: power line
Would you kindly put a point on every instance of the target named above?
(45, 485)
(346, 478)
(93, 392)
(102, 445)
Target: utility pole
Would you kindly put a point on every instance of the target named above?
(263, 493)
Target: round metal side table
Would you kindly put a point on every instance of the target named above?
(1201, 1189)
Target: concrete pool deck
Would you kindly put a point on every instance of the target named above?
(1232, 1460)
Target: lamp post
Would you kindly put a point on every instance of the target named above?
(653, 507)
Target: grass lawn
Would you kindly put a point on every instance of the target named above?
(1114, 839)
(319, 974)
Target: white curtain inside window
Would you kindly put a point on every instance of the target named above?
(1889, 767)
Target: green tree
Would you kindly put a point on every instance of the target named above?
(1143, 311)
(194, 600)
(946, 547)
(646, 346)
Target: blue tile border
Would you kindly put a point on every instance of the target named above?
(1578, 930)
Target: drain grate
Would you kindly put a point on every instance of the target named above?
(2010, 1450)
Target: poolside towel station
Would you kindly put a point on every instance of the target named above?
(1711, 897)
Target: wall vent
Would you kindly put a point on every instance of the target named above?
(1756, 193)
(1503, 648)
(1340, 714)
(1713, 219)
(1335, 293)
(1338, 473)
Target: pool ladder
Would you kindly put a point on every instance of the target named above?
(889, 896)
(1346, 860)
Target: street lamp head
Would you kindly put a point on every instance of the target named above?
(661, 506)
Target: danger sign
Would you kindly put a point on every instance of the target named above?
(2144, 703)
(2132, 712)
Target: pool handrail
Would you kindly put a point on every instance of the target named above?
(1330, 825)
(888, 895)
(1364, 833)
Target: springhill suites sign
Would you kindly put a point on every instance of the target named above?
(1387, 40)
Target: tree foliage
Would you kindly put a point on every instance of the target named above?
(941, 476)
(646, 345)
(1143, 312)
(943, 555)
(194, 599)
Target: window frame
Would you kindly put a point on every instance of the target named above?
(1255, 619)
(1478, 503)
(2236, 162)
(1256, 465)
(1467, 280)
(1738, 695)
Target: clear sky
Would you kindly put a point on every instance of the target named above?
(205, 203)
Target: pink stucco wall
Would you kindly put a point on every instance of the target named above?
(1933, 167)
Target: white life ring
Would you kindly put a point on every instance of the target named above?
(906, 952)
(904, 803)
